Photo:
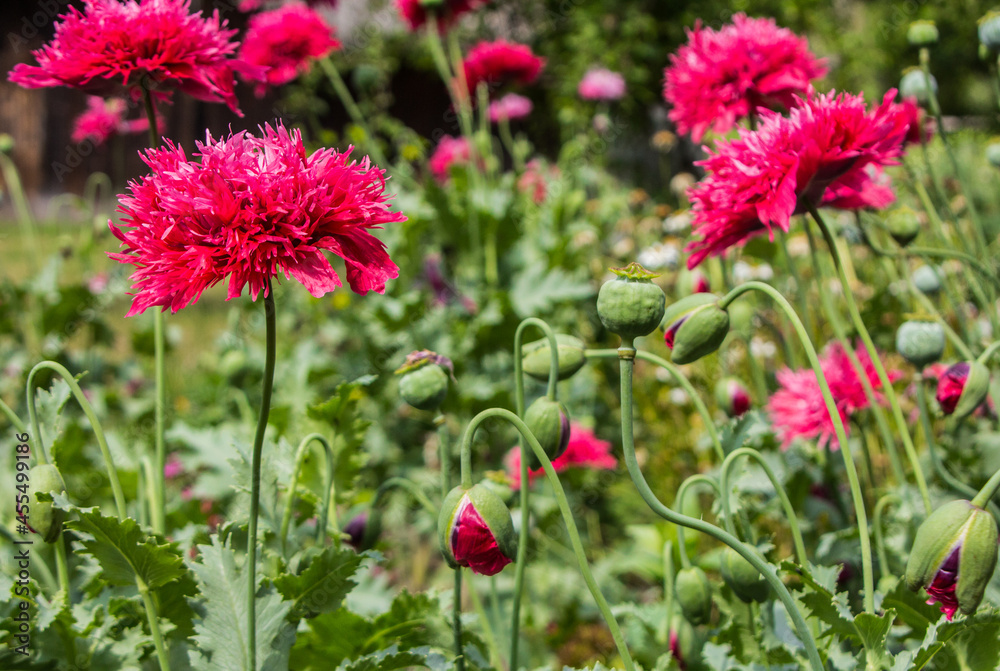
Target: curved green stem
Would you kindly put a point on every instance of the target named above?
(838, 426)
(300, 453)
(681, 379)
(574, 535)
(987, 353)
(883, 560)
(841, 333)
(270, 348)
(16, 421)
(410, 487)
(886, 383)
(744, 550)
(988, 491)
(696, 479)
(793, 521)
(522, 546)
(95, 424)
(444, 453)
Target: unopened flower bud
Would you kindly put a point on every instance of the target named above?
(536, 357)
(694, 594)
(695, 326)
(920, 342)
(903, 225)
(746, 582)
(424, 382)
(549, 422)
(922, 34)
(475, 530)
(364, 529)
(631, 305)
(46, 520)
(989, 31)
(962, 388)
(953, 556)
(732, 396)
(914, 85)
(927, 279)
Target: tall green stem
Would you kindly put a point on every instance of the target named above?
(270, 347)
(23, 209)
(159, 507)
(770, 574)
(680, 498)
(668, 589)
(567, 515)
(347, 100)
(883, 559)
(522, 546)
(838, 427)
(786, 504)
(681, 379)
(885, 382)
(444, 453)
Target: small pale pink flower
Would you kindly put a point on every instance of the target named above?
(510, 107)
(251, 208)
(284, 42)
(601, 84)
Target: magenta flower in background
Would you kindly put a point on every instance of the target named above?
(251, 208)
(950, 385)
(415, 12)
(601, 84)
(797, 409)
(511, 107)
(104, 118)
(174, 467)
(535, 179)
(155, 43)
(585, 450)
(500, 62)
(450, 151)
(822, 154)
(284, 42)
(720, 77)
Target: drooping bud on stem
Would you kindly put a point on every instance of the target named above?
(423, 381)
(475, 530)
(694, 327)
(962, 388)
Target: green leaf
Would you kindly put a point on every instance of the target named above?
(873, 630)
(126, 552)
(391, 658)
(536, 291)
(221, 635)
(322, 586)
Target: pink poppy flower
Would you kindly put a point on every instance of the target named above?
(501, 62)
(819, 155)
(585, 450)
(173, 468)
(104, 118)
(251, 208)
(415, 12)
(284, 42)
(601, 84)
(154, 43)
(797, 409)
(720, 77)
(511, 107)
(535, 179)
(951, 384)
(450, 151)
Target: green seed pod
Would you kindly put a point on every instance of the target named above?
(914, 85)
(989, 31)
(922, 34)
(993, 153)
(927, 279)
(631, 305)
(920, 342)
(903, 225)
(44, 517)
(536, 358)
(694, 594)
(746, 582)
(549, 421)
(475, 530)
(953, 556)
(695, 327)
(424, 383)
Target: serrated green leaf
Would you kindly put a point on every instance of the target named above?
(221, 635)
(911, 609)
(873, 629)
(536, 290)
(322, 586)
(391, 658)
(126, 552)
